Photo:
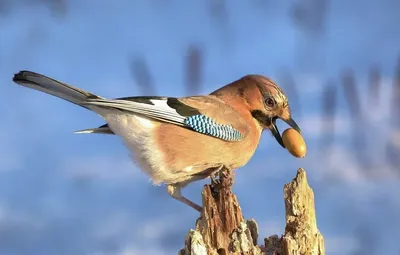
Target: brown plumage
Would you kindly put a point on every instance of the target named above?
(180, 140)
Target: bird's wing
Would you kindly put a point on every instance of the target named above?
(203, 114)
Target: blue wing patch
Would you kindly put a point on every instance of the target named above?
(205, 125)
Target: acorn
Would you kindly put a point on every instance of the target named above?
(294, 143)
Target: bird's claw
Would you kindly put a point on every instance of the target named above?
(215, 179)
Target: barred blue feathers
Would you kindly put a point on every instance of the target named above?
(203, 124)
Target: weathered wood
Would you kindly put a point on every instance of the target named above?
(301, 233)
(222, 229)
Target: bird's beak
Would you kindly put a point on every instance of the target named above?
(293, 124)
(275, 131)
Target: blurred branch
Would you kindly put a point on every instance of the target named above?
(366, 237)
(392, 151)
(142, 76)
(310, 15)
(328, 116)
(59, 8)
(261, 4)
(289, 85)
(351, 94)
(395, 100)
(5, 7)
(193, 70)
(352, 99)
(374, 86)
(218, 9)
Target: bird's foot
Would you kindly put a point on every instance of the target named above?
(215, 176)
(216, 179)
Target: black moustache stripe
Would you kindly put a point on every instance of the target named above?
(261, 117)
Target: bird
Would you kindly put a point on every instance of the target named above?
(179, 140)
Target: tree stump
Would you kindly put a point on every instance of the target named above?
(222, 229)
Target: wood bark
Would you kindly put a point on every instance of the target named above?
(222, 229)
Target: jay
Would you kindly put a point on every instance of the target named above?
(176, 141)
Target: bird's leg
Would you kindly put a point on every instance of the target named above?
(175, 192)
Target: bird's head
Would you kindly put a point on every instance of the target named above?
(267, 104)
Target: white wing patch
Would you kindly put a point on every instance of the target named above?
(158, 109)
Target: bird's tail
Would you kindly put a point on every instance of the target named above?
(53, 87)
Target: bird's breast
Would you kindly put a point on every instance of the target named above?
(183, 147)
(172, 154)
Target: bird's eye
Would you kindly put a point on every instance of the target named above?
(270, 102)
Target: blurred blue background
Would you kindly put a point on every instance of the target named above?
(338, 62)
